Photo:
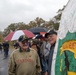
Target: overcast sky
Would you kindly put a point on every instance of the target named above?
(14, 11)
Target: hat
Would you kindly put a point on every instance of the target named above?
(52, 32)
(23, 38)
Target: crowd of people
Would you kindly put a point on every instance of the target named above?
(33, 57)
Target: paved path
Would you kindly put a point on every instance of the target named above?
(4, 64)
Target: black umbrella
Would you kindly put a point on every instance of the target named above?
(37, 30)
(38, 36)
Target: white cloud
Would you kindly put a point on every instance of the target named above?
(26, 10)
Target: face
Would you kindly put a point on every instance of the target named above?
(49, 37)
(52, 38)
(25, 45)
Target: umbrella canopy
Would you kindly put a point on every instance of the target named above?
(9, 36)
(37, 36)
(37, 30)
(15, 35)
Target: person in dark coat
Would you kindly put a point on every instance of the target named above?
(6, 48)
(0, 47)
(53, 38)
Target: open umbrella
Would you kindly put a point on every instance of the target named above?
(37, 36)
(9, 36)
(15, 35)
(38, 30)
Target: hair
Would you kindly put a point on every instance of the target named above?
(46, 35)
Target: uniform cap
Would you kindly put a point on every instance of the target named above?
(23, 38)
(53, 32)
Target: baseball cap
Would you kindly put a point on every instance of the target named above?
(23, 38)
(52, 32)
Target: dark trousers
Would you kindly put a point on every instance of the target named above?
(6, 52)
(1, 50)
(44, 64)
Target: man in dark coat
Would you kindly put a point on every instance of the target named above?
(0, 47)
(53, 37)
(6, 48)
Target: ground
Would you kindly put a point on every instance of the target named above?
(4, 63)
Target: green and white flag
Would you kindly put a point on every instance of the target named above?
(66, 42)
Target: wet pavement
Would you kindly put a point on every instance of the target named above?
(4, 64)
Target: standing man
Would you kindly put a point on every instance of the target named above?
(24, 61)
(52, 38)
(1, 47)
(6, 48)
